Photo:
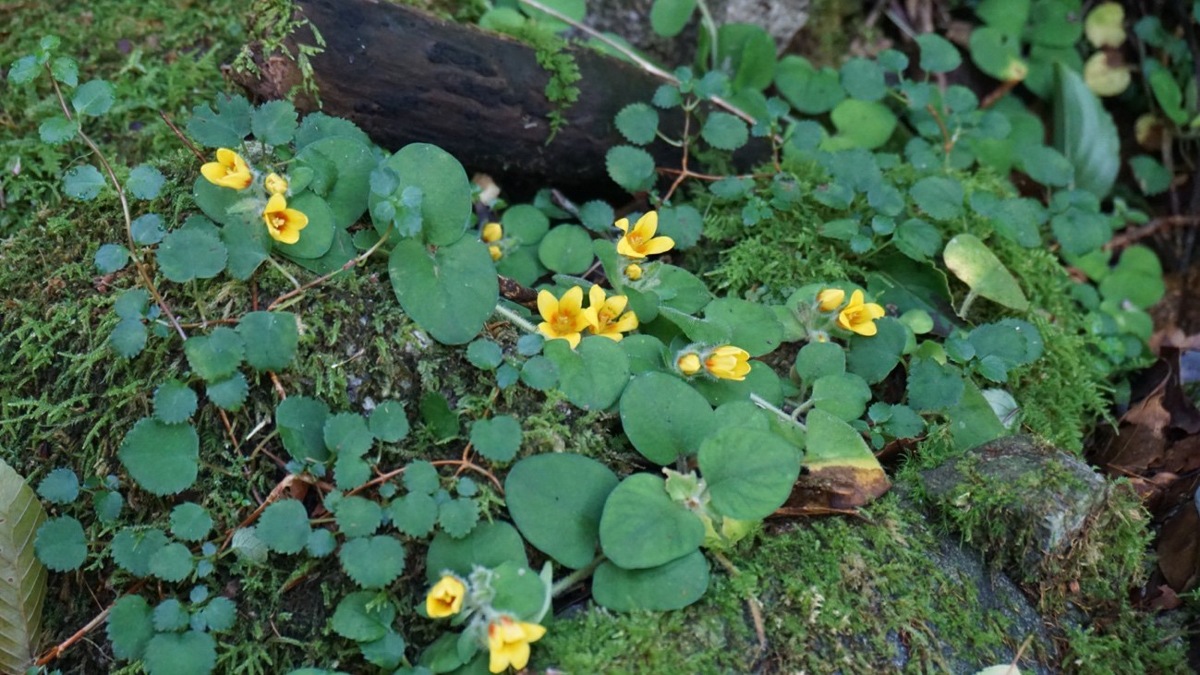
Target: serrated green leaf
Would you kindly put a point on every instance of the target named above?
(228, 393)
(172, 562)
(724, 131)
(60, 486)
(933, 386)
(372, 562)
(57, 129)
(458, 517)
(938, 196)
(631, 168)
(145, 182)
(131, 549)
(174, 402)
(187, 254)
(147, 229)
(358, 516)
(24, 70)
(217, 355)
(190, 522)
(129, 627)
(638, 122)
(361, 618)
(274, 122)
(498, 438)
(414, 514)
(190, 653)
(61, 544)
(389, 422)
(347, 433)
(162, 458)
(223, 129)
(283, 526)
(93, 98)
(83, 182)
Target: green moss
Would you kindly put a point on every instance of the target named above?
(839, 594)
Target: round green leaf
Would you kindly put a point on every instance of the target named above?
(191, 253)
(484, 354)
(388, 422)
(148, 229)
(270, 339)
(283, 526)
(724, 131)
(641, 527)
(162, 458)
(111, 257)
(938, 55)
(145, 181)
(593, 376)
(526, 223)
(1137, 278)
(539, 373)
(301, 423)
(353, 162)
(358, 516)
(60, 486)
(631, 168)
(414, 514)
(598, 216)
(450, 293)
(190, 653)
(217, 355)
(190, 522)
(445, 191)
(129, 627)
(347, 433)
(668, 17)
(749, 472)
(61, 544)
(753, 326)
(83, 182)
(917, 239)
(819, 359)
(809, 90)
(638, 122)
(317, 236)
(489, 545)
(172, 562)
(668, 587)
(361, 618)
(933, 386)
(93, 98)
(372, 562)
(229, 393)
(843, 395)
(872, 358)
(566, 249)
(664, 417)
(498, 439)
(174, 402)
(940, 197)
(274, 122)
(132, 549)
(863, 79)
(556, 500)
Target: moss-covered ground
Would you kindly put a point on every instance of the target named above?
(880, 593)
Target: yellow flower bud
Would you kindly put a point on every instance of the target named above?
(492, 232)
(633, 272)
(495, 252)
(275, 184)
(445, 598)
(230, 170)
(830, 299)
(728, 363)
(689, 364)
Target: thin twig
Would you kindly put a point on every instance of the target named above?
(134, 249)
(55, 651)
(1133, 235)
(326, 277)
(751, 603)
(183, 138)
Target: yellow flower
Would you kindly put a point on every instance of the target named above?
(275, 183)
(728, 363)
(492, 232)
(495, 252)
(562, 318)
(640, 241)
(445, 598)
(508, 643)
(283, 224)
(688, 364)
(830, 299)
(859, 317)
(608, 317)
(633, 272)
(230, 170)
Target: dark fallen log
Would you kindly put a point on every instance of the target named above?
(404, 76)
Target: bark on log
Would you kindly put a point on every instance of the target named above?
(404, 76)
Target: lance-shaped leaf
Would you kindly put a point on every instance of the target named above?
(24, 587)
(1084, 132)
(842, 471)
(974, 263)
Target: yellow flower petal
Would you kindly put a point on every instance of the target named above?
(658, 245)
(547, 305)
(622, 224)
(595, 296)
(445, 598)
(647, 225)
(571, 301)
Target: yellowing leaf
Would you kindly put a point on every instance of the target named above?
(1103, 25)
(24, 576)
(1104, 78)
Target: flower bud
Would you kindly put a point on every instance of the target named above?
(492, 232)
